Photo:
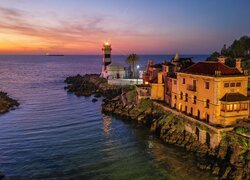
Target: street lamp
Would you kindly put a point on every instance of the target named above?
(137, 67)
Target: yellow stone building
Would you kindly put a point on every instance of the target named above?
(212, 92)
(157, 88)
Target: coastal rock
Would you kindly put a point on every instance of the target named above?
(7, 103)
(2, 175)
(227, 161)
(97, 95)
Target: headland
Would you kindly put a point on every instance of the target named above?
(228, 160)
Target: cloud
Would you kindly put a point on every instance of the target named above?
(68, 33)
(19, 21)
(13, 20)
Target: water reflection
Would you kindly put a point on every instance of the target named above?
(107, 120)
(179, 164)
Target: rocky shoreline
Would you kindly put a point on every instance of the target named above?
(230, 160)
(6, 103)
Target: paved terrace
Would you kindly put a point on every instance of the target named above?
(210, 126)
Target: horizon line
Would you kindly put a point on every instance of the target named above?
(195, 54)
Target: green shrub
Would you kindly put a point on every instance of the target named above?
(131, 96)
(244, 142)
(242, 130)
(167, 119)
(146, 104)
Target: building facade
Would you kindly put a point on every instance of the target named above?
(212, 92)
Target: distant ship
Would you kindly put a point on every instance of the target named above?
(48, 54)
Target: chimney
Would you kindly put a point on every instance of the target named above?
(159, 80)
(221, 59)
(238, 64)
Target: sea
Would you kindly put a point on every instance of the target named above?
(54, 134)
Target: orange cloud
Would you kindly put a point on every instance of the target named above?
(20, 34)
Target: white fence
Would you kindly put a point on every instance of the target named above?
(125, 81)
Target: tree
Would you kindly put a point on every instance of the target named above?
(131, 60)
(213, 57)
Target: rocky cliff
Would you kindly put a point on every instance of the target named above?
(230, 160)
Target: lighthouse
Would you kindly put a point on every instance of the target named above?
(106, 59)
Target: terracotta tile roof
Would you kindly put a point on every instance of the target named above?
(232, 97)
(157, 66)
(173, 75)
(209, 68)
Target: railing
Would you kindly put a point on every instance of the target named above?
(191, 87)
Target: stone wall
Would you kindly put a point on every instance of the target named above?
(125, 81)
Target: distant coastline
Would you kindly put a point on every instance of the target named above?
(54, 54)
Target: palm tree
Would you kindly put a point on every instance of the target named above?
(131, 60)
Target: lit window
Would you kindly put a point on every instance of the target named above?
(226, 84)
(232, 84)
(238, 84)
(229, 107)
(236, 107)
(206, 85)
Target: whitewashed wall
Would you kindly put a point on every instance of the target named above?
(124, 81)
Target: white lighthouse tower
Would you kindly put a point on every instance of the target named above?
(106, 59)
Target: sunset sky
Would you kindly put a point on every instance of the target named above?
(140, 26)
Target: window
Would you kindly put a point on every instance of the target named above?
(186, 97)
(236, 107)
(181, 95)
(175, 97)
(175, 82)
(223, 107)
(207, 117)
(229, 107)
(206, 85)
(243, 106)
(232, 84)
(183, 81)
(207, 103)
(194, 83)
(226, 84)
(107, 55)
(238, 84)
(195, 98)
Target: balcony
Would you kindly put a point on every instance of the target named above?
(191, 87)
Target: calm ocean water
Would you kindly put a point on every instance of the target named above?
(54, 134)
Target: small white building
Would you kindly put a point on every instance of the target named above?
(115, 71)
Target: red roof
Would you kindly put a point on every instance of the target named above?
(209, 68)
